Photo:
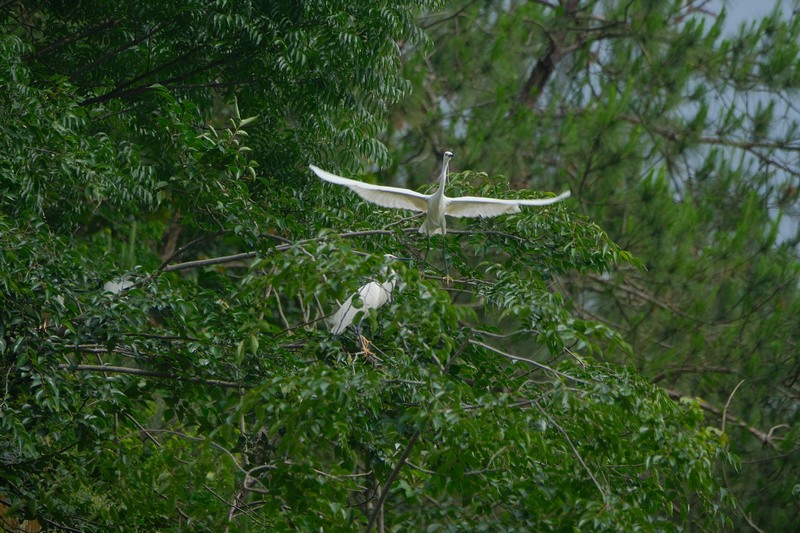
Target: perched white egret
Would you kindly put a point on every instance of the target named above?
(436, 205)
(116, 287)
(372, 295)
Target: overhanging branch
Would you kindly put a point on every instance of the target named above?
(107, 369)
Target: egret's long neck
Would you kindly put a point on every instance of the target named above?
(443, 177)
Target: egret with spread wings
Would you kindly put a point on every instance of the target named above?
(436, 205)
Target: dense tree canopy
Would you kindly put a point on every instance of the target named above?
(167, 262)
(681, 141)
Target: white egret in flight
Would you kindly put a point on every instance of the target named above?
(436, 205)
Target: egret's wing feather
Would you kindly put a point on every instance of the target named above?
(343, 317)
(546, 201)
(394, 197)
(475, 206)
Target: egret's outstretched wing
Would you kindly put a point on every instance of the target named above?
(382, 195)
(475, 206)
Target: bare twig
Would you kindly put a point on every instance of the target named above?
(766, 438)
(208, 262)
(546, 65)
(529, 361)
(142, 429)
(346, 235)
(91, 30)
(574, 449)
(107, 369)
(186, 246)
(680, 370)
(392, 477)
(728, 403)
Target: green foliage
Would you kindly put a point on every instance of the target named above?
(679, 138)
(167, 263)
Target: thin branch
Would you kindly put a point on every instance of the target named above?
(446, 18)
(728, 403)
(574, 449)
(283, 247)
(45, 520)
(116, 93)
(148, 373)
(529, 361)
(208, 262)
(143, 430)
(392, 477)
(162, 337)
(234, 507)
(215, 445)
(766, 438)
(186, 246)
(735, 143)
(130, 44)
(91, 30)
(680, 370)
(772, 458)
(546, 65)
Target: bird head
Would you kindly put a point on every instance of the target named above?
(387, 266)
(448, 155)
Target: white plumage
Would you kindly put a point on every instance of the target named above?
(117, 286)
(436, 205)
(373, 295)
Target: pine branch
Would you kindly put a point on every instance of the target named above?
(546, 65)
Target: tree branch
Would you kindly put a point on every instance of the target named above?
(546, 65)
(766, 438)
(678, 371)
(102, 59)
(208, 262)
(574, 449)
(391, 479)
(186, 246)
(283, 247)
(91, 30)
(117, 93)
(107, 369)
(529, 361)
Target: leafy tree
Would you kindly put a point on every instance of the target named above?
(167, 261)
(681, 140)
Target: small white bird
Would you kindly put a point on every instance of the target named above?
(116, 287)
(373, 295)
(436, 205)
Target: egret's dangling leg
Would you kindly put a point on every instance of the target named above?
(444, 258)
(427, 249)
